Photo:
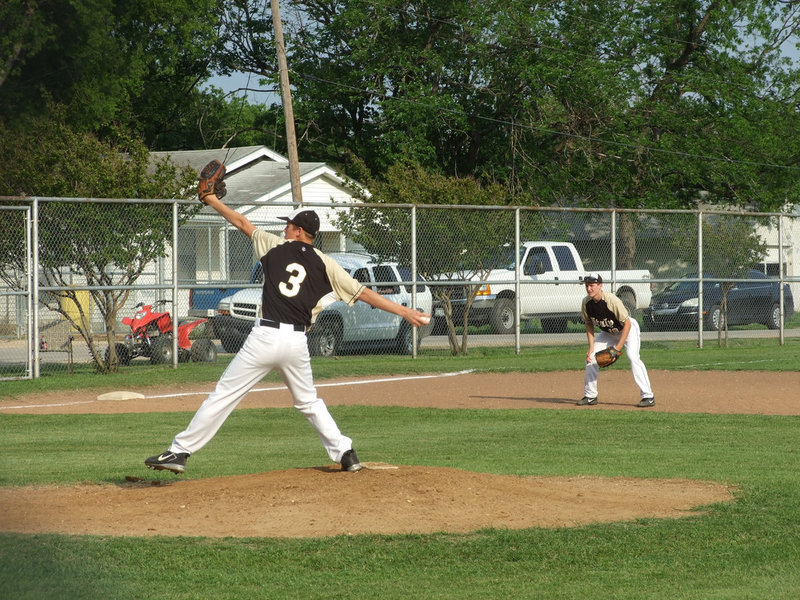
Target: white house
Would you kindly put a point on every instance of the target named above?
(210, 250)
(787, 251)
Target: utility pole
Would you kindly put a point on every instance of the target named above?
(286, 99)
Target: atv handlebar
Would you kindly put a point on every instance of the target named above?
(157, 302)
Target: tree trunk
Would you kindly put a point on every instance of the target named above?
(626, 249)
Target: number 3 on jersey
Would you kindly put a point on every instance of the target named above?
(297, 275)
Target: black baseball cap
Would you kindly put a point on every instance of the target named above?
(593, 278)
(305, 218)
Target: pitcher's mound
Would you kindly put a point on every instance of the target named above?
(323, 501)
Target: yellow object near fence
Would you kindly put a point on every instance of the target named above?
(69, 306)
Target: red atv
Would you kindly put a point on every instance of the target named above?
(151, 335)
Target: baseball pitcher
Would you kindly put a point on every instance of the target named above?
(298, 281)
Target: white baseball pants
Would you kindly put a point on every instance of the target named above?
(264, 350)
(633, 343)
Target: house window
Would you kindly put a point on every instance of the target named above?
(240, 256)
(187, 257)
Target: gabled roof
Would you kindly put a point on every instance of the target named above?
(259, 177)
(254, 173)
(231, 157)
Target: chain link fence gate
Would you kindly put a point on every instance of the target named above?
(491, 275)
(16, 291)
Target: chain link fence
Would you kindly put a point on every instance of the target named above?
(89, 283)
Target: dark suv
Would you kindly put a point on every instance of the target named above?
(756, 300)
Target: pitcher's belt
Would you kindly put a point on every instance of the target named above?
(276, 325)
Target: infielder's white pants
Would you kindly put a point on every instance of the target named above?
(264, 350)
(633, 343)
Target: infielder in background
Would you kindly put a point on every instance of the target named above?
(618, 329)
(299, 281)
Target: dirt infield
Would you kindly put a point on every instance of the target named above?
(390, 498)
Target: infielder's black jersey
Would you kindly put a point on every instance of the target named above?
(608, 313)
(299, 280)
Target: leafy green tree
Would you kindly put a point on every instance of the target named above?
(664, 103)
(105, 245)
(451, 246)
(610, 103)
(23, 32)
(731, 246)
(219, 120)
(132, 64)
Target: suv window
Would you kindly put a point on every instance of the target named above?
(385, 273)
(361, 276)
(405, 275)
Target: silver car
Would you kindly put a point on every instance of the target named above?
(340, 328)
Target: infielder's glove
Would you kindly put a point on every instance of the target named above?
(211, 181)
(607, 357)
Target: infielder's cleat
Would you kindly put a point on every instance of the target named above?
(586, 401)
(168, 461)
(645, 402)
(350, 461)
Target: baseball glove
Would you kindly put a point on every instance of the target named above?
(211, 181)
(607, 357)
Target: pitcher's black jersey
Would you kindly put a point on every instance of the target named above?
(299, 280)
(294, 281)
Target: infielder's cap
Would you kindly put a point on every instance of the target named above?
(593, 278)
(305, 218)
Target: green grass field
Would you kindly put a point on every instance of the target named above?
(746, 549)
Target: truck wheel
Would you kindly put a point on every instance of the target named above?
(123, 355)
(204, 350)
(405, 340)
(324, 339)
(161, 350)
(628, 299)
(503, 319)
(554, 325)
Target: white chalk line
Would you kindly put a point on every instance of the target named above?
(264, 389)
(57, 404)
(728, 363)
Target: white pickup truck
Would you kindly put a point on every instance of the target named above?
(550, 283)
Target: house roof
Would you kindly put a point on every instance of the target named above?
(258, 175)
(197, 159)
(253, 172)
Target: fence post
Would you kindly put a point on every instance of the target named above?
(518, 308)
(174, 316)
(35, 295)
(700, 279)
(415, 337)
(781, 333)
